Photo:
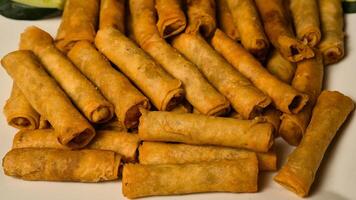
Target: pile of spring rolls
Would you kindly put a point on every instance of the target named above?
(176, 97)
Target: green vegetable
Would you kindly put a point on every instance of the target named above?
(349, 6)
(43, 3)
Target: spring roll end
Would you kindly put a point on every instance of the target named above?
(102, 114)
(290, 131)
(290, 181)
(333, 54)
(172, 99)
(79, 140)
(133, 114)
(298, 103)
(20, 122)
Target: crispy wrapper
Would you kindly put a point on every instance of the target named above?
(244, 97)
(171, 18)
(115, 86)
(44, 123)
(81, 91)
(18, 111)
(332, 43)
(153, 153)
(190, 128)
(276, 21)
(280, 67)
(306, 21)
(35, 164)
(171, 179)
(79, 22)
(285, 98)
(48, 99)
(249, 26)
(199, 92)
(308, 79)
(162, 89)
(112, 14)
(122, 143)
(330, 112)
(201, 17)
(225, 21)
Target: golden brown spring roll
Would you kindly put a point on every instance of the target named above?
(285, 98)
(170, 179)
(34, 164)
(330, 112)
(112, 14)
(115, 86)
(201, 17)
(332, 25)
(171, 18)
(162, 89)
(280, 67)
(249, 26)
(305, 15)
(308, 79)
(122, 143)
(278, 29)
(190, 128)
(153, 153)
(244, 97)
(199, 92)
(48, 99)
(79, 22)
(81, 91)
(225, 22)
(18, 111)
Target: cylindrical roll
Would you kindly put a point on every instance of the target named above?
(163, 90)
(306, 20)
(112, 14)
(171, 18)
(244, 97)
(18, 111)
(249, 26)
(278, 28)
(153, 153)
(79, 22)
(201, 17)
(332, 24)
(115, 86)
(61, 165)
(280, 67)
(223, 176)
(81, 91)
(46, 97)
(284, 97)
(308, 79)
(199, 92)
(225, 22)
(200, 129)
(330, 112)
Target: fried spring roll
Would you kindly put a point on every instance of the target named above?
(332, 24)
(244, 97)
(249, 26)
(169, 179)
(112, 14)
(152, 153)
(81, 91)
(308, 79)
(115, 86)
(62, 165)
(79, 22)
(225, 22)
(18, 111)
(171, 18)
(330, 112)
(48, 99)
(280, 67)
(278, 29)
(306, 20)
(199, 92)
(285, 98)
(201, 17)
(122, 143)
(190, 128)
(164, 91)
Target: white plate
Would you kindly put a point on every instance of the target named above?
(336, 178)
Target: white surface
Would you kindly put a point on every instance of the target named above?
(336, 178)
